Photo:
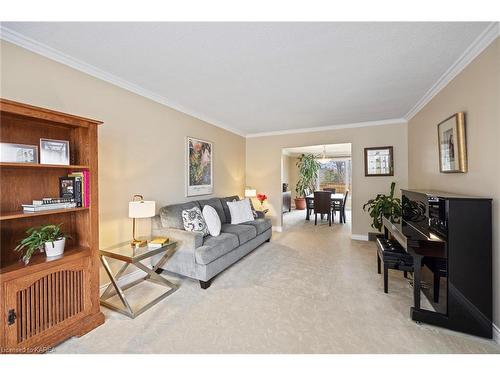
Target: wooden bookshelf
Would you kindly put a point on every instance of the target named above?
(50, 299)
(22, 214)
(43, 166)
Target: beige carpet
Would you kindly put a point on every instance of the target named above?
(311, 290)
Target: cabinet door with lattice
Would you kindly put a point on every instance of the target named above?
(40, 306)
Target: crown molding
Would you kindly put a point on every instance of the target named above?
(477, 46)
(56, 55)
(330, 127)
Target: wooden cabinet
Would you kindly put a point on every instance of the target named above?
(50, 299)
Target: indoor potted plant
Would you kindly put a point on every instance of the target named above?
(46, 237)
(308, 175)
(383, 206)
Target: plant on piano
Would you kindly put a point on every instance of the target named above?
(384, 206)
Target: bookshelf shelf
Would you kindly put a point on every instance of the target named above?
(43, 166)
(64, 289)
(22, 214)
(40, 259)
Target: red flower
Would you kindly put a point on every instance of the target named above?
(261, 197)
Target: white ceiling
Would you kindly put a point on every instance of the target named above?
(261, 77)
(331, 151)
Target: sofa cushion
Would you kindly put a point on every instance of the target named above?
(215, 203)
(261, 225)
(171, 216)
(215, 247)
(226, 208)
(244, 232)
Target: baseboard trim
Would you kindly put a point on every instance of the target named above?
(359, 237)
(125, 279)
(496, 333)
(277, 228)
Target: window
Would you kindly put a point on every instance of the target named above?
(336, 174)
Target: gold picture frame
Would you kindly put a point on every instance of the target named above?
(452, 144)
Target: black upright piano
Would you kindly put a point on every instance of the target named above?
(450, 239)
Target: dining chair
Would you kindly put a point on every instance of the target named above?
(331, 190)
(340, 208)
(309, 202)
(322, 205)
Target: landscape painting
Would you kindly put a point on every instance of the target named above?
(199, 174)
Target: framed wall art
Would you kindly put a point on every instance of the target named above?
(452, 144)
(199, 167)
(379, 161)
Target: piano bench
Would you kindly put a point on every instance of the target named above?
(392, 256)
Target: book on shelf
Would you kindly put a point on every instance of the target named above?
(49, 206)
(52, 201)
(77, 186)
(78, 193)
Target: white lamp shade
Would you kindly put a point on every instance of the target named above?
(141, 209)
(250, 193)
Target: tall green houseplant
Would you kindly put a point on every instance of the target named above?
(308, 173)
(383, 206)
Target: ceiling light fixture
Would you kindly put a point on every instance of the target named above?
(324, 160)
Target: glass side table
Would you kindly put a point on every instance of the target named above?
(129, 255)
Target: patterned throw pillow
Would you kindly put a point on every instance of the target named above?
(254, 212)
(193, 221)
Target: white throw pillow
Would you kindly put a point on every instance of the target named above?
(212, 219)
(240, 211)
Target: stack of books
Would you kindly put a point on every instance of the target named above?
(49, 204)
(157, 243)
(77, 186)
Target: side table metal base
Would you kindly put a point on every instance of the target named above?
(115, 289)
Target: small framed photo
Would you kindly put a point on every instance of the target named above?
(18, 153)
(452, 145)
(53, 151)
(379, 161)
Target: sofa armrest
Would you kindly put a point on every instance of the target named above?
(185, 238)
(187, 242)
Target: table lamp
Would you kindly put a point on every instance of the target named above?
(250, 193)
(138, 208)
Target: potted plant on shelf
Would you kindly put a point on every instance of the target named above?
(308, 175)
(46, 237)
(383, 206)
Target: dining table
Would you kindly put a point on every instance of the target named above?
(337, 198)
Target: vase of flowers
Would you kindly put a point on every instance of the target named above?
(261, 198)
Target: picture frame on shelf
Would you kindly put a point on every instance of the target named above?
(18, 153)
(452, 144)
(199, 167)
(54, 151)
(379, 161)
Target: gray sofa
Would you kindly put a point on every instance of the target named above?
(202, 258)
